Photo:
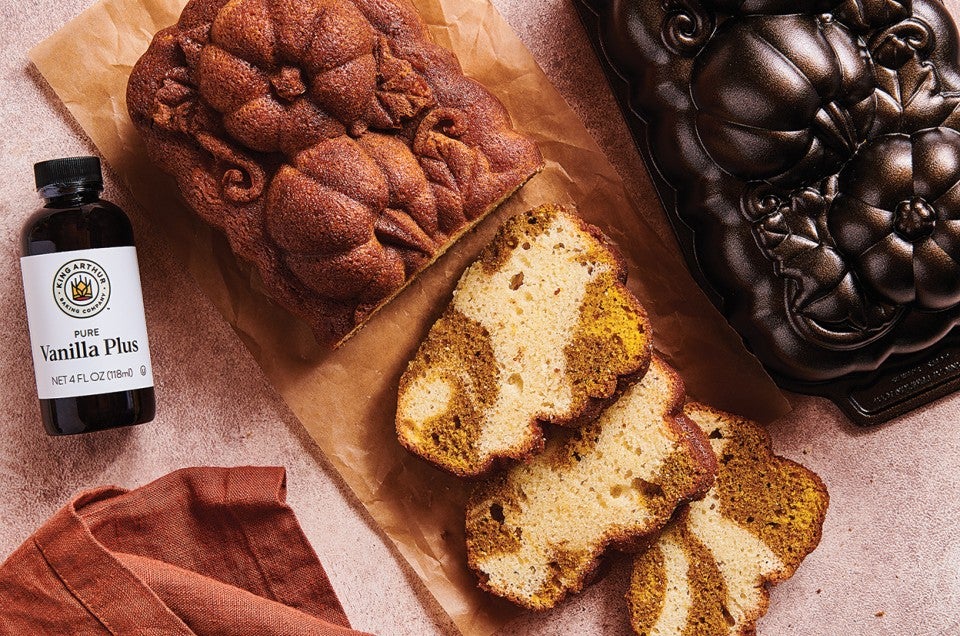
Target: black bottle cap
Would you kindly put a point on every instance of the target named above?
(77, 171)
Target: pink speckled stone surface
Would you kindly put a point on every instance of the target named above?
(889, 562)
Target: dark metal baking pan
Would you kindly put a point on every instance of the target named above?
(807, 153)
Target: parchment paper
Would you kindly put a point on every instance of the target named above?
(346, 399)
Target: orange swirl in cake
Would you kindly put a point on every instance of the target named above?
(708, 573)
(540, 328)
(536, 532)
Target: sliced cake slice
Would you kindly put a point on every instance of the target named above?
(540, 328)
(537, 531)
(708, 573)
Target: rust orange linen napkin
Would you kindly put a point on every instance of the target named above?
(207, 551)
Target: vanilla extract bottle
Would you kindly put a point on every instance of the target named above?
(81, 283)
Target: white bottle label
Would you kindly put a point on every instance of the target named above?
(87, 329)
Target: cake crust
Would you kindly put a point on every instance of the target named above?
(335, 145)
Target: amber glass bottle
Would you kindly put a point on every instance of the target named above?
(84, 304)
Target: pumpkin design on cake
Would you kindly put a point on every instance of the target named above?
(337, 147)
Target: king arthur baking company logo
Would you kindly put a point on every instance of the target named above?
(81, 288)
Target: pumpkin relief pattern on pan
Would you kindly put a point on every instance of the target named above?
(826, 111)
(822, 108)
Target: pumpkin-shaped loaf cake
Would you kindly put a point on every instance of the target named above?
(336, 146)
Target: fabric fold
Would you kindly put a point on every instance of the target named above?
(200, 551)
